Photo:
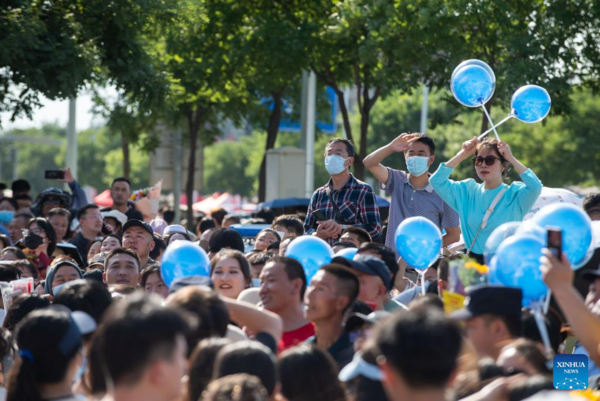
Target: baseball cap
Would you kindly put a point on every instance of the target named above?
(115, 214)
(174, 229)
(138, 223)
(369, 265)
(359, 367)
(356, 320)
(590, 274)
(494, 299)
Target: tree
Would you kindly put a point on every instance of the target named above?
(55, 49)
(205, 83)
(378, 47)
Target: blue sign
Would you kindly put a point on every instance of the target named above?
(570, 372)
(289, 117)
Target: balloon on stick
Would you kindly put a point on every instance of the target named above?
(576, 228)
(501, 233)
(312, 253)
(530, 104)
(418, 242)
(517, 264)
(184, 259)
(472, 85)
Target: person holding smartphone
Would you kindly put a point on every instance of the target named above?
(484, 206)
(344, 201)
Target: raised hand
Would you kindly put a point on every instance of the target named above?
(403, 142)
(470, 146)
(505, 151)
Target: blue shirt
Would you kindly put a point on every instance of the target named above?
(471, 200)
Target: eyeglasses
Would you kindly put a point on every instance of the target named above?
(489, 160)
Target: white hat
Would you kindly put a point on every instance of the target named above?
(115, 214)
(174, 229)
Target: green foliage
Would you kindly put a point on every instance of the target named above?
(99, 155)
(56, 48)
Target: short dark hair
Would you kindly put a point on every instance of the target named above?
(514, 325)
(207, 306)
(290, 222)
(424, 336)
(242, 387)
(260, 258)
(82, 211)
(362, 234)
(293, 270)
(344, 244)
(12, 202)
(136, 332)
(347, 281)
(121, 179)
(21, 307)
(5, 241)
(388, 256)
(591, 201)
(427, 140)
(88, 296)
(225, 238)
(206, 223)
(308, 373)
(9, 272)
(249, 357)
(118, 251)
(20, 185)
(349, 145)
(202, 363)
(218, 215)
(29, 266)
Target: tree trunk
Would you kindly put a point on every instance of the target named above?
(272, 131)
(194, 122)
(345, 115)
(359, 167)
(126, 159)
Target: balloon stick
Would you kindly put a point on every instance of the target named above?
(505, 119)
(491, 122)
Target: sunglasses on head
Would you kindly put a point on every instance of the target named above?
(489, 160)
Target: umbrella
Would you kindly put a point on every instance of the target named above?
(553, 195)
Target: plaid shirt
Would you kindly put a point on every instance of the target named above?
(356, 203)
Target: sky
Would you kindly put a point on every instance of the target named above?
(55, 112)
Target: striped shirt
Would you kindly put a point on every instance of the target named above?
(410, 202)
(356, 203)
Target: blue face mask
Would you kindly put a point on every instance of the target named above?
(417, 165)
(6, 216)
(81, 371)
(334, 164)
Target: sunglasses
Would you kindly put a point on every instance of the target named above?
(489, 160)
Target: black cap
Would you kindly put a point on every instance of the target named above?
(369, 265)
(590, 275)
(494, 299)
(356, 320)
(138, 223)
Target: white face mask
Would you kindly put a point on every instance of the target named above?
(417, 165)
(335, 164)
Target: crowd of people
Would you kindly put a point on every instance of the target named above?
(86, 313)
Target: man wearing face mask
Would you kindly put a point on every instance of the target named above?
(344, 201)
(412, 195)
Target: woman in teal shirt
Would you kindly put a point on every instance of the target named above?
(471, 200)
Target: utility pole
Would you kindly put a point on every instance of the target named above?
(307, 127)
(72, 138)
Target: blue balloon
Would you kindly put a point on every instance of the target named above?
(184, 259)
(576, 228)
(418, 241)
(347, 253)
(480, 63)
(312, 253)
(517, 264)
(531, 228)
(472, 86)
(530, 103)
(501, 233)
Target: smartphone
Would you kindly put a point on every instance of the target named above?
(554, 236)
(319, 215)
(54, 174)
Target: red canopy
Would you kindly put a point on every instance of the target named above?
(104, 199)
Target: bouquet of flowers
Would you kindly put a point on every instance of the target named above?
(465, 272)
(146, 200)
